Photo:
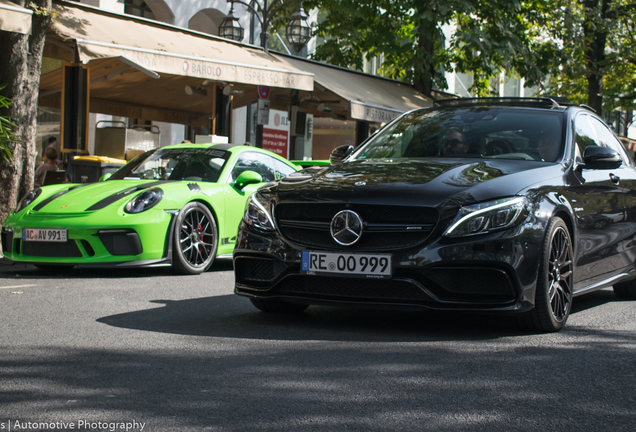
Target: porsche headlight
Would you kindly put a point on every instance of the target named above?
(28, 199)
(258, 213)
(145, 200)
(487, 217)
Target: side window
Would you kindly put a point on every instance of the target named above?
(256, 162)
(281, 169)
(607, 138)
(585, 134)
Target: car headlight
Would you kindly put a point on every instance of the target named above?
(258, 213)
(28, 199)
(487, 217)
(145, 200)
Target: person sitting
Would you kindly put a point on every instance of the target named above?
(50, 156)
(52, 142)
(454, 143)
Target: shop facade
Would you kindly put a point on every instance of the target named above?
(149, 76)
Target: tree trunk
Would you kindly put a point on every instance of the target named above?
(595, 41)
(424, 65)
(20, 73)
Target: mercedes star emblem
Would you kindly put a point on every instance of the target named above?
(346, 227)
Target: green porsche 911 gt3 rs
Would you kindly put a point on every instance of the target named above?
(178, 205)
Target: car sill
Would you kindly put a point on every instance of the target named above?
(603, 284)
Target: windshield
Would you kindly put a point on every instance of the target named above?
(484, 133)
(194, 164)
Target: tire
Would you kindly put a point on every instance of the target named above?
(274, 305)
(195, 239)
(626, 290)
(553, 297)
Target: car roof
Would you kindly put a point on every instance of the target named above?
(201, 146)
(231, 148)
(559, 104)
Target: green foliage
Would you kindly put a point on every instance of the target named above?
(7, 129)
(565, 44)
(395, 30)
(553, 44)
(42, 11)
(488, 37)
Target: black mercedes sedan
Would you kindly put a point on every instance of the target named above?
(490, 204)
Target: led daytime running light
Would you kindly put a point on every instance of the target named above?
(254, 207)
(144, 201)
(28, 199)
(488, 209)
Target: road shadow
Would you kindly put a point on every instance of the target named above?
(231, 316)
(325, 386)
(592, 300)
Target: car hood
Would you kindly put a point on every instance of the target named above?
(82, 198)
(425, 181)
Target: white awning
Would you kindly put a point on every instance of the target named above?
(14, 18)
(166, 49)
(370, 98)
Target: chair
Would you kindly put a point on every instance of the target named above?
(54, 177)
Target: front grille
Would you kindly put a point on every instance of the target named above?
(370, 241)
(454, 285)
(66, 249)
(385, 227)
(121, 242)
(7, 241)
(351, 288)
(88, 248)
(458, 283)
(379, 214)
(258, 271)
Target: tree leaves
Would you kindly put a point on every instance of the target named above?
(488, 36)
(557, 44)
(7, 129)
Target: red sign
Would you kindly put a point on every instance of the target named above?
(276, 141)
(263, 92)
(276, 133)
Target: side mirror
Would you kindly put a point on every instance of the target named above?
(105, 177)
(340, 153)
(247, 177)
(596, 157)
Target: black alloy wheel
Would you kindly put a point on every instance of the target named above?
(195, 239)
(553, 298)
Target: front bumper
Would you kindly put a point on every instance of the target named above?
(493, 272)
(137, 240)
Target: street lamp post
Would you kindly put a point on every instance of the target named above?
(298, 31)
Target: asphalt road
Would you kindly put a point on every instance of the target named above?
(148, 350)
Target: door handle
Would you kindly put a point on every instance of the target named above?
(615, 179)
